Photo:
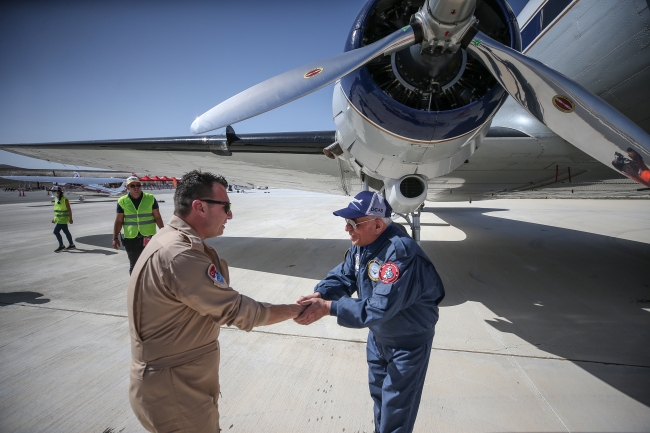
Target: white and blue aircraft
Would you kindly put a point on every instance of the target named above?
(76, 182)
(436, 99)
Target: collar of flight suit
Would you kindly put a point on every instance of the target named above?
(178, 224)
(377, 245)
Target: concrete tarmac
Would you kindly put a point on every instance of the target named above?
(545, 326)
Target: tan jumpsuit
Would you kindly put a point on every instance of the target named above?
(176, 304)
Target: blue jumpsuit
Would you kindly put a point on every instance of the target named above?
(398, 295)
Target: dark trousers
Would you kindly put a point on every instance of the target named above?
(396, 378)
(57, 233)
(133, 249)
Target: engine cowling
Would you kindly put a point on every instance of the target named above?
(426, 96)
(420, 111)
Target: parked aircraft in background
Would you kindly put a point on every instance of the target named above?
(239, 188)
(422, 110)
(99, 185)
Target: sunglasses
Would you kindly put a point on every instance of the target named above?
(226, 204)
(354, 225)
(135, 185)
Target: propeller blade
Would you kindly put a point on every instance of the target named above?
(301, 81)
(570, 110)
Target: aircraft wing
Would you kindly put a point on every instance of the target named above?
(507, 160)
(290, 160)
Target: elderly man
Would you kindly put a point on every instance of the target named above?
(398, 295)
(179, 295)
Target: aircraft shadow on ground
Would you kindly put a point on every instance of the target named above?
(103, 241)
(573, 294)
(576, 295)
(22, 297)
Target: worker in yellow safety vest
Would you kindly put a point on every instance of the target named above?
(62, 216)
(138, 214)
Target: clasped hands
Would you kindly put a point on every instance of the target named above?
(317, 308)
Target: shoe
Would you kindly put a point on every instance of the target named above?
(61, 248)
(72, 247)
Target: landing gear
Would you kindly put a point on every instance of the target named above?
(413, 220)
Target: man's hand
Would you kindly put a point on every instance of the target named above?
(301, 299)
(116, 243)
(71, 222)
(317, 309)
(280, 313)
(52, 221)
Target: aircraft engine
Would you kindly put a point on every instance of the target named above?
(406, 194)
(425, 109)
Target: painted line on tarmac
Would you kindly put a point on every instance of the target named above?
(280, 334)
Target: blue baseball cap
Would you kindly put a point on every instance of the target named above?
(366, 203)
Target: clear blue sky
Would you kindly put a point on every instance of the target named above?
(77, 70)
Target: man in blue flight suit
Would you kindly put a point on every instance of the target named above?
(398, 295)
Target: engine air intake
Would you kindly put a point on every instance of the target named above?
(411, 187)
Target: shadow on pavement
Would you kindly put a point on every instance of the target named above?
(25, 297)
(304, 258)
(572, 294)
(102, 241)
(85, 251)
(575, 295)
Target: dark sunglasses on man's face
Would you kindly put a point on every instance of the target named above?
(226, 204)
(135, 185)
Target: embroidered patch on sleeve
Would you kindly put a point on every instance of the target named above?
(388, 273)
(216, 276)
(373, 270)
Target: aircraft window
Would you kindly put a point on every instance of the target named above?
(532, 29)
(551, 10)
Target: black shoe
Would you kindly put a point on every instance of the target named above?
(72, 247)
(61, 248)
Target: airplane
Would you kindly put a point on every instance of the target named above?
(90, 184)
(443, 100)
(240, 188)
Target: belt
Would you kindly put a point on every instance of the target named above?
(139, 366)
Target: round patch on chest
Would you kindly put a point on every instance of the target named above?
(388, 273)
(373, 270)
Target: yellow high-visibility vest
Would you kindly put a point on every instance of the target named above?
(61, 214)
(138, 220)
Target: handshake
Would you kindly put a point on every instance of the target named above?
(313, 307)
(305, 311)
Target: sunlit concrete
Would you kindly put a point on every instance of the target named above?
(545, 326)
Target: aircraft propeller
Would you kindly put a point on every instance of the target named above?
(567, 108)
(572, 112)
(301, 81)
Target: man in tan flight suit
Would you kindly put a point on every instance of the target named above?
(179, 295)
